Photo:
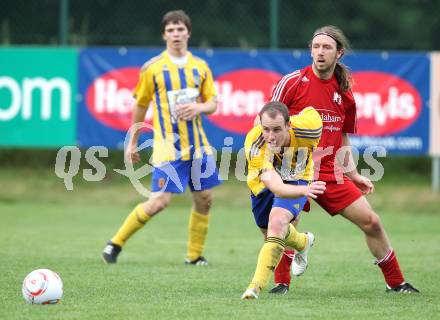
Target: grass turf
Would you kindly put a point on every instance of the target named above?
(43, 225)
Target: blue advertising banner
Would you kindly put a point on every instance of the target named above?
(391, 91)
(392, 98)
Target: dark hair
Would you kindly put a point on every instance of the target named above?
(342, 72)
(176, 16)
(273, 108)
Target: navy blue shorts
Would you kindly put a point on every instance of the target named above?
(175, 176)
(263, 203)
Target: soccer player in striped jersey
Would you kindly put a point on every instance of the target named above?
(326, 85)
(180, 88)
(280, 171)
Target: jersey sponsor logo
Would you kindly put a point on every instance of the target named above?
(386, 104)
(331, 128)
(181, 96)
(109, 98)
(242, 94)
(329, 116)
(331, 120)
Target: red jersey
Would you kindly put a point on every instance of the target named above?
(302, 88)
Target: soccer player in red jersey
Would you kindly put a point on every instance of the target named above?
(326, 86)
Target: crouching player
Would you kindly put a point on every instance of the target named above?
(280, 170)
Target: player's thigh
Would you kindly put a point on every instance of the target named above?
(297, 220)
(279, 219)
(360, 213)
(280, 215)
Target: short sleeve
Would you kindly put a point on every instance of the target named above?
(307, 126)
(143, 93)
(208, 90)
(285, 87)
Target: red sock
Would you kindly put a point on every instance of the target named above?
(282, 271)
(391, 270)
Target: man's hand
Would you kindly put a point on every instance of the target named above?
(314, 189)
(363, 183)
(187, 111)
(131, 154)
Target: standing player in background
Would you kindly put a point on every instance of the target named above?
(326, 85)
(280, 168)
(181, 88)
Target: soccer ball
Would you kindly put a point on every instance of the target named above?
(42, 286)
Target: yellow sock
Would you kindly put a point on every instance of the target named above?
(134, 221)
(295, 239)
(197, 231)
(270, 255)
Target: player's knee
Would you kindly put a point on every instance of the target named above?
(276, 226)
(204, 202)
(376, 225)
(156, 205)
(163, 202)
(207, 199)
(373, 224)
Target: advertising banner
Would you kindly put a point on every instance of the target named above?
(37, 97)
(392, 98)
(391, 91)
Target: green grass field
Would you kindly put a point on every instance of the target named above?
(43, 225)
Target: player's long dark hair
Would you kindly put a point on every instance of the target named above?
(342, 72)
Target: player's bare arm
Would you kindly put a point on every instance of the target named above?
(138, 117)
(275, 184)
(363, 183)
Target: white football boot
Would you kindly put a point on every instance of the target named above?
(299, 262)
(250, 294)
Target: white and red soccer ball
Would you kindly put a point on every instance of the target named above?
(42, 286)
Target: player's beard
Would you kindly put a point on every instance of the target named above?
(324, 68)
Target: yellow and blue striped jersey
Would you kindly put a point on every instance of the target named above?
(165, 85)
(295, 162)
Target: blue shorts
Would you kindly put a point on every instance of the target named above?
(263, 203)
(174, 176)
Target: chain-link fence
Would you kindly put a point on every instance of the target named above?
(374, 24)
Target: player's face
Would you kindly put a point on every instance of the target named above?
(176, 36)
(275, 131)
(324, 54)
